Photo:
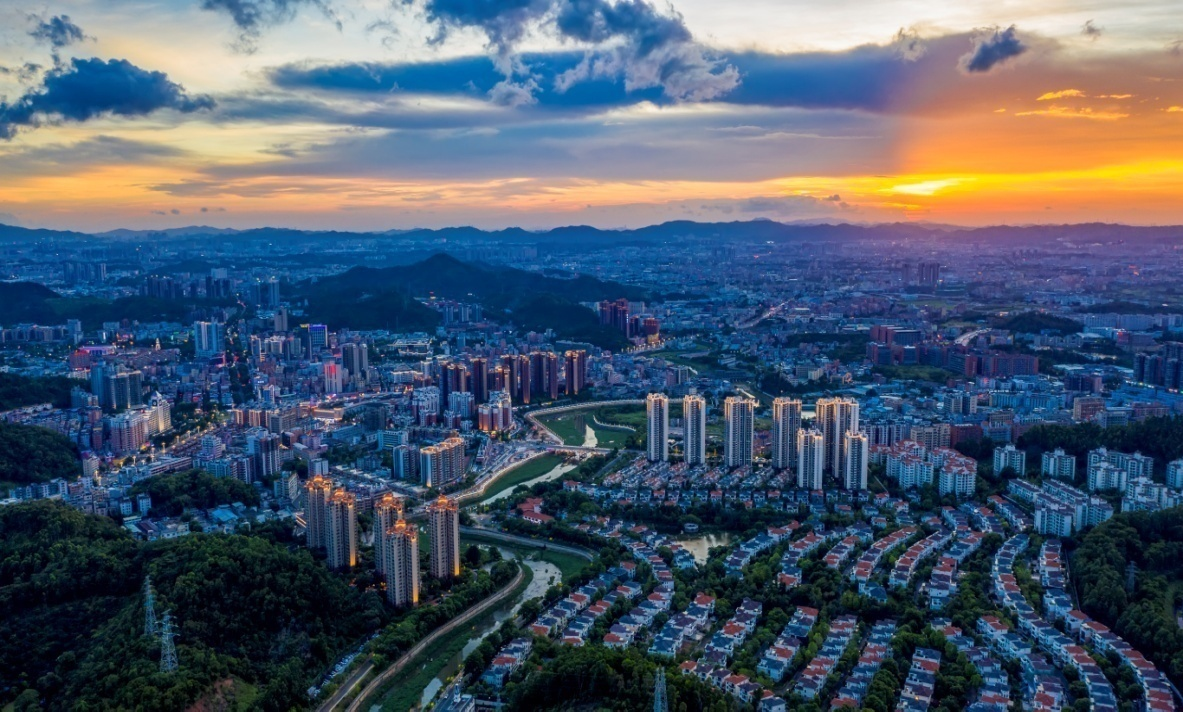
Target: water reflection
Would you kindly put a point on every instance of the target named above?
(553, 474)
(545, 575)
(699, 545)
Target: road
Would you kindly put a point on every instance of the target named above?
(527, 541)
(398, 665)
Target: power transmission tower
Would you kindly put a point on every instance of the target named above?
(168, 653)
(659, 701)
(149, 608)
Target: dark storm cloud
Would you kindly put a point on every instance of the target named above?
(992, 47)
(869, 78)
(644, 47)
(1091, 30)
(504, 22)
(252, 17)
(86, 88)
(57, 31)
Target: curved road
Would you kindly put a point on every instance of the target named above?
(528, 542)
(398, 665)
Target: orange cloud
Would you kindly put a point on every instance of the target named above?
(1066, 112)
(1062, 94)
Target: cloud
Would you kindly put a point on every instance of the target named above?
(1091, 30)
(57, 31)
(213, 210)
(9, 219)
(252, 17)
(1175, 110)
(1067, 112)
(628, 39)
(872, 78)
(86, 88)
(908, 45)
(66, 158)
(514, 94)
(1062, 94)
(992, 47)
(24, 74)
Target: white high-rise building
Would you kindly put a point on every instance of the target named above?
(341, 532)
(402, 558)
(387, 510)
(854, 465)
(786, 423)
(739, 418)
(1059, 464)
(334, 377)
(208, 338)
(1012, 457)
(444, 516)
(835, 418)
(694, 411)
(316, 510)
(811, 457)
(657, 408)
(1175, 474)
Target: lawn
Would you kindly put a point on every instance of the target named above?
(407, 687)
(563, 425)
(523, 473)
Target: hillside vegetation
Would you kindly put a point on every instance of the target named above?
(31, 454)
(248, 611)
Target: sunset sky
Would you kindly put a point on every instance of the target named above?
(380, 114)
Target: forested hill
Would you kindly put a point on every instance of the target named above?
(255, 619)
(374, 298)
(1144, 614)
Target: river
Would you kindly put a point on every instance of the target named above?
(553, 474)
(545, 573)
(699, 545)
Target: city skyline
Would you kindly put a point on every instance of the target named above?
(551, 113)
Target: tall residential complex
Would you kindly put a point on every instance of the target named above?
(341, 531)
(811, 457)
(657, 408)
(443, 463)
(694, 412)
(480, 379)
(575, 363)
(402, 564)
(786, 423)
(857, 448)
(444, 517)
(835, 418)
(316, 507)
(387, 510)
(208, 339)
(1012, 457)
(739, 419)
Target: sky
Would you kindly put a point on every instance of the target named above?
(390, 114)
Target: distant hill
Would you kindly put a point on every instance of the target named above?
(587, 237)
(1038, 322)
(367, 297)
(27, 302)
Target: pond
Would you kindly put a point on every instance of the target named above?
(699, 545)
